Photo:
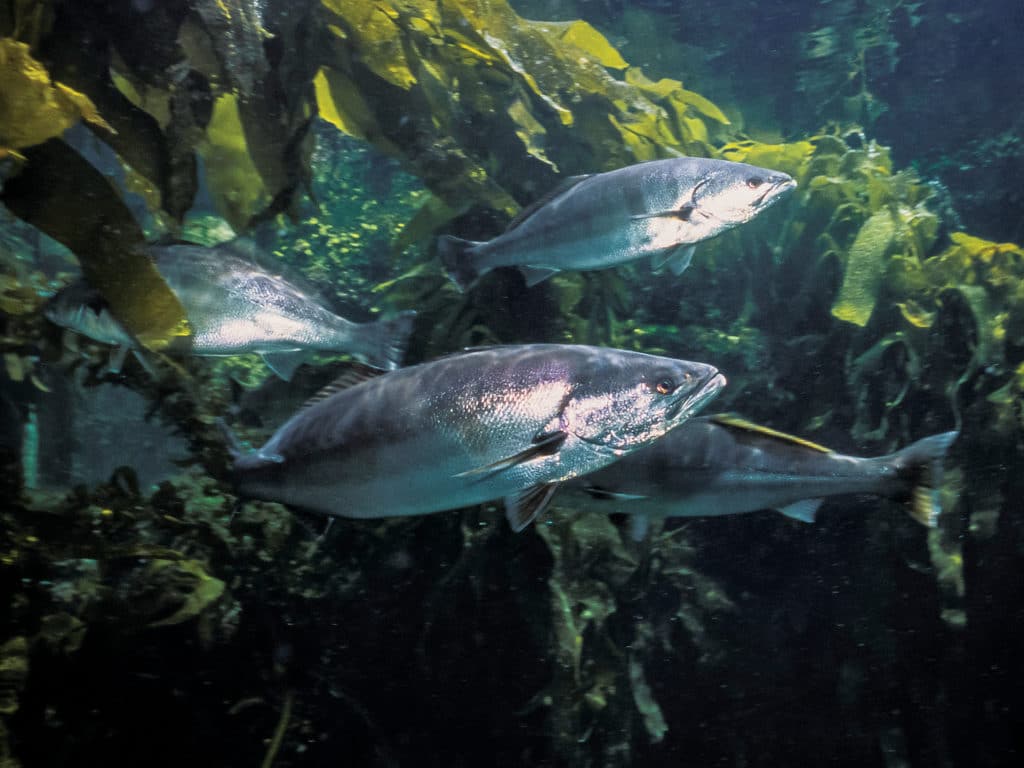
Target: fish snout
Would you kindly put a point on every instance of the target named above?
(708, 382)
(777, 185)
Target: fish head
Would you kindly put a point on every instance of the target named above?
(83, 310)
(632, 399)
(728, 194)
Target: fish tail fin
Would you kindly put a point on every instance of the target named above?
(921, 464)
(384, 342)
(457, 259)
(230, 439)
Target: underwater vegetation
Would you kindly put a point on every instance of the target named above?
(157, 625)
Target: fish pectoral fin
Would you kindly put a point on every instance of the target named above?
(285, 363)
(543, 445)
(534, 275)
(676, 259)
(522, 508)
(597, 492)
(683, 213)
(804, 510)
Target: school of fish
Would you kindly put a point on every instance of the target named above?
(514, 423)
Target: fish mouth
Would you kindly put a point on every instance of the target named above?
(688, 405)
(775, 190)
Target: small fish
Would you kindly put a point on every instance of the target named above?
(507, 422)
(235, 306)
(723, 465)
(661, 209)
(83, 310)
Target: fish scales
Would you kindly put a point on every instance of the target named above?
(447, 433)
(719, 466)
(659, 208)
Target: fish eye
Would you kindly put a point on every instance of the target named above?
(665, 386)
(754, 182)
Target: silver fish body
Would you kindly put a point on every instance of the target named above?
(83, 310)
(501, 422)
(660, 208)
(720, 465)
(235, 306)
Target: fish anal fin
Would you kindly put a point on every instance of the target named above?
(355, 373)
(559, 189)
(676, 259)
(522, 508)
(117, 358)
(535, 275)
(285, 363)
(732, 421)
(804, 510)
(543, 445)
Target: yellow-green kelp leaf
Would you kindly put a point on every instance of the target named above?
(473, 73)
(791, 158)
(865, 268)
(529, 131)
(33, 108)
(61, 194)
(204, 590)
(378, 45)
(580, 34)
(339, 103)
(235, 183)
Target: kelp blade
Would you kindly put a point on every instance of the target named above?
(61, 194)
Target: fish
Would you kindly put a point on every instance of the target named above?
(724, 465)
(505, 422)
(81, 308)
(235, 306)
(659, 208)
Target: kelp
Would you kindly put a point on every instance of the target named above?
(232, 173)
(483, 89)
(33, 107)
(64, 196)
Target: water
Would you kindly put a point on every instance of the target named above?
(149, 616)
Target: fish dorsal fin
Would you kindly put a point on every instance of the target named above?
(522, 508)
(559, 189)
(355, 374)
(732, 421)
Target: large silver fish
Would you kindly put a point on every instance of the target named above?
(722, 465)
(661, 208)
(236, 306)
(500, 422)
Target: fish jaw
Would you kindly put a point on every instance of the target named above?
(651, 413)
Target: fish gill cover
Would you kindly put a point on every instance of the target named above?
(901, 321)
